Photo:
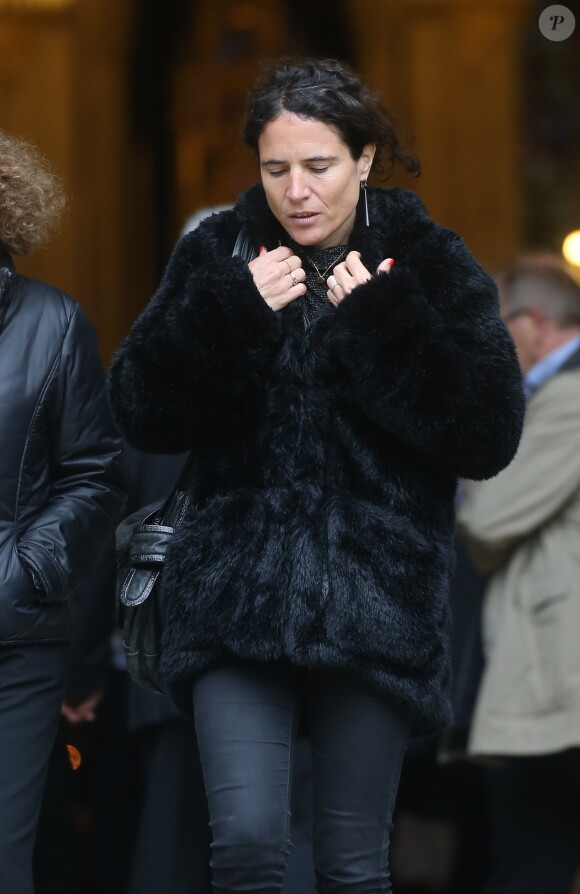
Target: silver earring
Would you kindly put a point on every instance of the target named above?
(363, 186)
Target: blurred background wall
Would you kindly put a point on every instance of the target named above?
(138, 104)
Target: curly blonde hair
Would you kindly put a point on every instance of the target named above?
(32, 198)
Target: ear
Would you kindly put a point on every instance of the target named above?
(366, 160)
(537, 315)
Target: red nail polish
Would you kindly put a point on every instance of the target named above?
(262, 248)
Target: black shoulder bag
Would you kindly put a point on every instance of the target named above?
(142, 541)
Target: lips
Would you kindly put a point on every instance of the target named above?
(303, 217)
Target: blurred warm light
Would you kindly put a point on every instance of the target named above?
(571, 248)
(74, 756)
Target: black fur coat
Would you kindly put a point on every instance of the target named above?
(327, 457)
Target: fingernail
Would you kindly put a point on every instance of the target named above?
(262, 248)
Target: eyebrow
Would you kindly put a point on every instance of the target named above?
(278, 161)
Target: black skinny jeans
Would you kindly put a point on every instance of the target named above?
(246, 720)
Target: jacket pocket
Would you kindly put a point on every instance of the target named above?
(16, 583)
(553, 645)
(46, 576)
(542, 587)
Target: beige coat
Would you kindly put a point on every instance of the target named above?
(524, 527)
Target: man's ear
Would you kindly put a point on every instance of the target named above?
(537, 315)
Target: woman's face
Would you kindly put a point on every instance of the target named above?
(311, 180)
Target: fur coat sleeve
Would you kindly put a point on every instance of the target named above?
(205, 339)
(428, 356)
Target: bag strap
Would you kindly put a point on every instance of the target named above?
(170, 511)
(243, 249)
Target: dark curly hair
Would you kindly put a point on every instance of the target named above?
(328, 90)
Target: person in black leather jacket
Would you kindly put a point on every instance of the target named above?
(62, 489)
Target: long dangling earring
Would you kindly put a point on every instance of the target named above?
(363, 186)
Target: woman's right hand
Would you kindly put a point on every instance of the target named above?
(278, 276)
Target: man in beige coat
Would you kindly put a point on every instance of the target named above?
(523, 528)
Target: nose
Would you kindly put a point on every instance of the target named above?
(297, 188)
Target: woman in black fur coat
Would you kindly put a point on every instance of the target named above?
(332, 390)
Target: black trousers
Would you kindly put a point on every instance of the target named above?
(32, 679)
(535, 819)
(247, 720)
(172, 849)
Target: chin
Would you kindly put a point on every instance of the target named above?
(307, 243)
(308, 239)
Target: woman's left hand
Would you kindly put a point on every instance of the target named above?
(349, 274)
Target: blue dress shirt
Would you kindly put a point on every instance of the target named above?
(549, 365)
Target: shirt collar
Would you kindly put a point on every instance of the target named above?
(549, 365)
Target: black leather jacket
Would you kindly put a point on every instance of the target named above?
(62, 482)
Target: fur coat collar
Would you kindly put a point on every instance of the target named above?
(394, 214)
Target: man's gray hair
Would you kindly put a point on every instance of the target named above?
(542, 281)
